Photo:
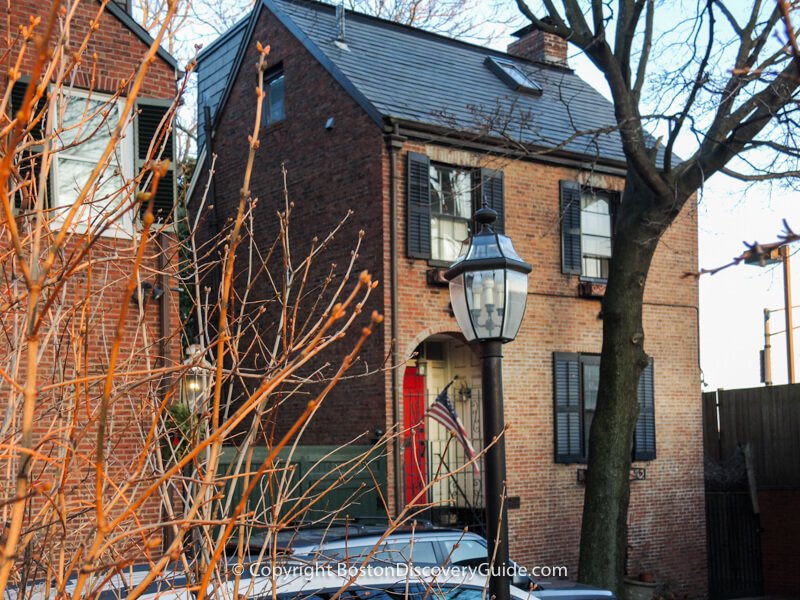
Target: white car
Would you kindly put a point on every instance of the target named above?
(391, 584)
(430, 546)
(110, 586)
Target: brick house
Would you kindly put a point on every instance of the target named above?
(412, 131)
(95, 262)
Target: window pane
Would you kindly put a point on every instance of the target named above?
(447, 235)
(594, 267)
(85, 131)
(469, 553)
(73, 175)
(86, 127)
(591, 381)
(596, 246)
(593, 203)
(275, 99)
(451, 209)
(420, 553)
(451, 191)
(596, 223)
(413, 591)
(595, 235)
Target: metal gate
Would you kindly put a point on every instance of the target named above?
(734, 545)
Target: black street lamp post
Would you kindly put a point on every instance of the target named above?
(488, 291)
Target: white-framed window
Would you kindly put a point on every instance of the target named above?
(595, 234)
(587, 230)
(84, 127)
(84, 123)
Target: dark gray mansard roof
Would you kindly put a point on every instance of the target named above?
(396, 71)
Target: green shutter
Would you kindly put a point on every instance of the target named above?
(568, 430)
(151, 131)
(418, 207)
(644, 446)
(28, 162)
(570, 227)
(492, 196)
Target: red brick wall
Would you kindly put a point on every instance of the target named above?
(328, 173)
(113, 52)
(78, 330)
(780, 524)
(545, 529)
(74, 360)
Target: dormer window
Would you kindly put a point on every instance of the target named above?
(516, 76)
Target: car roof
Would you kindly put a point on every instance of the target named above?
(372, 539)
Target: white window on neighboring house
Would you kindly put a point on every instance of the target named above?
(85, 128)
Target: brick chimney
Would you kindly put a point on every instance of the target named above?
(538, 46)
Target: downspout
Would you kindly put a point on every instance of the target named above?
(163, 317)
(394, 143)
(168, 532)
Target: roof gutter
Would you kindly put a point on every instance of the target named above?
(394, 143)
(482, 143)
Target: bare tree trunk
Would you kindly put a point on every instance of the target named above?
(605, 509)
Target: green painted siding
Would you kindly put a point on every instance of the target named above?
(321, 481)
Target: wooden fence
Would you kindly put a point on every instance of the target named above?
(768, 418)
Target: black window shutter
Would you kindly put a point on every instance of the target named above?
(644, 447)
(150, 131)
(567, 412)
(492, 196)
(418, 207)
(28, 163)
(570, 227)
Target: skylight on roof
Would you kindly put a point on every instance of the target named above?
(513, 75)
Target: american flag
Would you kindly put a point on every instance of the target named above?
(443, 411)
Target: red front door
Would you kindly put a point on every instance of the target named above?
(414, 405)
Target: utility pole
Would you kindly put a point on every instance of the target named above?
(787, 302)
(767, 361)
(770, 254)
